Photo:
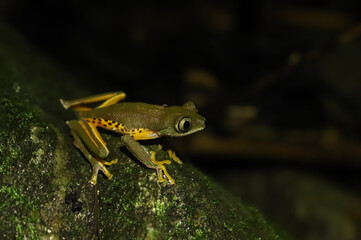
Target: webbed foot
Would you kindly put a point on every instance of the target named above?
(172, 155)
(99, 165)
(162, 169)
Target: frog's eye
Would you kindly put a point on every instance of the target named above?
(184, 125)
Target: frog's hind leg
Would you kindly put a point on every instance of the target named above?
(113, 100)
(82, 133)
(96, 164)
(108, 98)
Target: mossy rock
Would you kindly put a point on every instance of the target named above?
(41, 171)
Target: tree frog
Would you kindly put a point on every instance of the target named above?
(134, 121)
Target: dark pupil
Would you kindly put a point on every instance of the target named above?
(186, 125)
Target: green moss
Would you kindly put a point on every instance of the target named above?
(40, 166)
(25, 216)
(228, 227)
(199, 234)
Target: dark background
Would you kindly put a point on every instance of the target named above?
(278, 81)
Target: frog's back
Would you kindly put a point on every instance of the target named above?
(131, 114)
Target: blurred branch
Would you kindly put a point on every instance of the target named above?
(295, 59)
(315, 153)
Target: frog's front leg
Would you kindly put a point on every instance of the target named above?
(86, 137)
(172, 155)
(149, 161)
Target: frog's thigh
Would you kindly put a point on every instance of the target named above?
(90, 136)
(118, 96)
(92, 99)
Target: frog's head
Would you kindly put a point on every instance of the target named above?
(182, 120)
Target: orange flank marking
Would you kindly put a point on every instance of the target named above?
(137, 133)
